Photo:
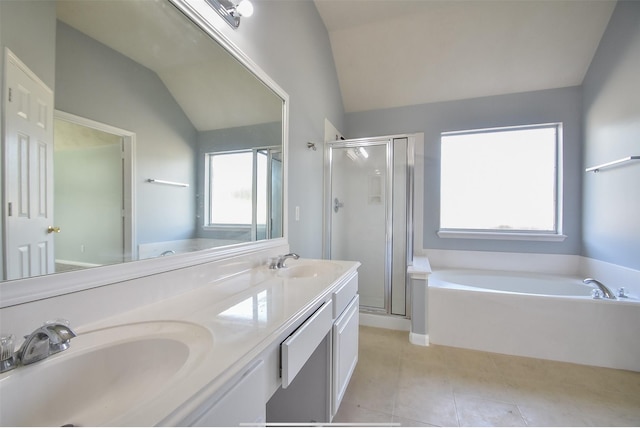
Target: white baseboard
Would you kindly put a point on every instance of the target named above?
(385, 322)
(418, 339)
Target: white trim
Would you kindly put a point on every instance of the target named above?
(128, 175)
(418, 339)
(35, 288)
(77, 263)
(523, 236)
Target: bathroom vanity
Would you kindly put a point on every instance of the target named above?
(257, 346)
(301, 376)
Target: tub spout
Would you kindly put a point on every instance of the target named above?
(605, 290)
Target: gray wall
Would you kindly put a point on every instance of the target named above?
(288, 40)
(556, 105)
(96, 82)
(88, 204)
(611, 209)
(28, 29)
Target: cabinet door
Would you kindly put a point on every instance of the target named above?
(242, 404)
(345, 351)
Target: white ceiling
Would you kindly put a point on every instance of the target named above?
(391, 53)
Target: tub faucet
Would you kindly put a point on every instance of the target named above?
(605, 290)
(283, 258)
(51, 338)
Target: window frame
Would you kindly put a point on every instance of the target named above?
(505, 234)
(251, 228)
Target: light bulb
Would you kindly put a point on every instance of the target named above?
(245, 8)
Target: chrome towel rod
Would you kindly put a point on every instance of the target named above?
(612, 163)
(166, 182)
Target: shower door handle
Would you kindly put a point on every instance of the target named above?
(337, 205)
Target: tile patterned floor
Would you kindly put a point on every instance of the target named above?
(396, 382)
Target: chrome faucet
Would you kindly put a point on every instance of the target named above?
(278, 262)
(51, 338)
(606, 292)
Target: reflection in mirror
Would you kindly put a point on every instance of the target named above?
(144, 100)
(239, 204)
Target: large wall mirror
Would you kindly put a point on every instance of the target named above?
(131, 133)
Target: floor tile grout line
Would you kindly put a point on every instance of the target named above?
(455, 405)
(524, 419)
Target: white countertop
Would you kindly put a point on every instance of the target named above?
(243, 314)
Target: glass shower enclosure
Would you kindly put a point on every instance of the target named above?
(368, 216)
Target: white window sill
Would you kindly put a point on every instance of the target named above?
(522, 236)
(229, 227)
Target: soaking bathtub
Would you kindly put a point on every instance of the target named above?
(534, 315)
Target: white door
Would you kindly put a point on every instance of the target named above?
(28, 147)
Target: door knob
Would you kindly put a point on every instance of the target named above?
(53, 229)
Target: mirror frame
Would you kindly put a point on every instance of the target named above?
(15, 292)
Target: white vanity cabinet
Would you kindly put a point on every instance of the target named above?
(299, 377)
(240, 403)
(313, 392)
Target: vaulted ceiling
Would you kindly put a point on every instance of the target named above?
(213, 89)
(391, 53)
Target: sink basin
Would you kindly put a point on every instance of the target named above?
(103, 376)
(308, 269)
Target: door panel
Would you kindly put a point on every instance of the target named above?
(28, 145)
(359, 216)
(368, 215)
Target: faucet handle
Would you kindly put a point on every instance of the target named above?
(273, 262)
(7, 353)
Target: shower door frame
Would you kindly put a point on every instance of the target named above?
(388, 141)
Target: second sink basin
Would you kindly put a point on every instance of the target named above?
(308, 269)
(103, 376)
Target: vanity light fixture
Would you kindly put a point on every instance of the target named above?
(231, 12)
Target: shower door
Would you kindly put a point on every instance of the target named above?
(366, 216)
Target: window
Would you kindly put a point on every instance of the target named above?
(243, 192)
(502, 181)
(230, 188)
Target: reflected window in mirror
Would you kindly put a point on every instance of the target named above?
(243, 194)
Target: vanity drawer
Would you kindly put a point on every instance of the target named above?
(344, 294)
(300, 345)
